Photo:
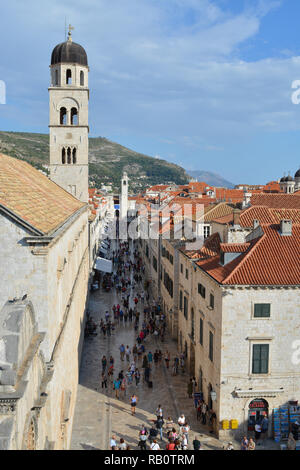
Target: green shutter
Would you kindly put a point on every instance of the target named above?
(211, 346)
(264, 358)
(201, 331)
(262, 310)
(260, 359)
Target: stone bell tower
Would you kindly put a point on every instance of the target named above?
(69, 129)
(124, 196)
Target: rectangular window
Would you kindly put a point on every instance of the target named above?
(211, 346)
(186, 273)
(211, 301)
(180, 300)
(260, 359)
(262, 310)
(201, 290)
(206, 231)
(201, 332)
(154, 262)
(185, 308)
(181, 268)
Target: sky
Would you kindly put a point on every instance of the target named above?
(206, 84)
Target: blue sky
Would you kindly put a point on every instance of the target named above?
(202, 83)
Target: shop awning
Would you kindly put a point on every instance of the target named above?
(104, 265)
(104, 249)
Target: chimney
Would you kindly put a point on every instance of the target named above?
(286, 227)
(236, 217)
(255, 223)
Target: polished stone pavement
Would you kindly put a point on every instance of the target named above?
(98, 414)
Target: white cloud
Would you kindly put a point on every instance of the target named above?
(158, 68)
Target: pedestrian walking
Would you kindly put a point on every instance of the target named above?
(127, 353)
(154, 445)
(104, 380)
(133, 403)
(104, 363)
(137, 377)
(116, 387)
(159, 425)
(122, 352)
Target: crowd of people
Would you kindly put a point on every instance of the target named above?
(141, 360)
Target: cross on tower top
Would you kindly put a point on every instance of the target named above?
(71, 28)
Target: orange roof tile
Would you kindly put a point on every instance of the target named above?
(271, 259)
(33, 197)
(276, 201)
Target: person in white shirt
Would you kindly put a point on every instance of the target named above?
(184, 442)
(122, 445)
(181, 420)
(154, 445)
(185, 431)
(113, 443)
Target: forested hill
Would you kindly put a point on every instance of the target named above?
(107, 161)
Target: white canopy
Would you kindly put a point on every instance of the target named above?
(104, 265)
(104, 249)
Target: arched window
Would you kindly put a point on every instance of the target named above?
(74, 117)
(69, 155)
(74, 155)
(81, 78)
(69, 77)
(63, 156)
(56, 77)
(63, 116)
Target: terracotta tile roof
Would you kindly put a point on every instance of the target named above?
(234, 247)
(271, 259)
(199, 187)
(272, 186)
(265, 215)
(220, 210)
(33, 197)
(260, 213)
(276, 201)
(230, 195)
(226, 219)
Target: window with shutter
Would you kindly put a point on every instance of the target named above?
(201, 332)
(211, 346)
(262, 310)
(260, 359)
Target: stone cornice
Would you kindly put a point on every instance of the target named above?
(257, 393)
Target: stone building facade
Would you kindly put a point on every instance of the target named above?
(238, 323)
(45, 261)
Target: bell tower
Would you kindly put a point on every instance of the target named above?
(69, 129)
(124, 195)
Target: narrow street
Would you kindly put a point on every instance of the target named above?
(98, 414)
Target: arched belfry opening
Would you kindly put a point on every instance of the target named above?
(63, 116)
(74, 117)
(69, 77)
(74, 156)
(63, 156)
(69, 156)
(81, 78)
